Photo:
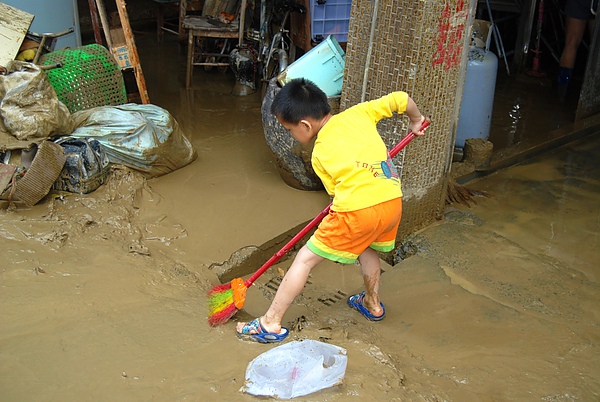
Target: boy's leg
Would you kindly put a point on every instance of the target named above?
(371, 272)
(384, 230)
(292, 284)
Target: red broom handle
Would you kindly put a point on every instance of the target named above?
(277, 256)
(317, 219)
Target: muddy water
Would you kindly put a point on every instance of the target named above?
(103, 295)
(526, 109)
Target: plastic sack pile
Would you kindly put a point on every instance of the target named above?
(43, 146)
(295, 369)
(143, 137)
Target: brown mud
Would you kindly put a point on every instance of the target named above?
(104, 295)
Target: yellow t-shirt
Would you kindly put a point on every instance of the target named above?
(351, 159)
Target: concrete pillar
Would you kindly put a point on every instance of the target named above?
(417, 46)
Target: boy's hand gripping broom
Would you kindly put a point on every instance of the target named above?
(225, 300)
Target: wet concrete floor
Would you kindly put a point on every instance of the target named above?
(500, 301)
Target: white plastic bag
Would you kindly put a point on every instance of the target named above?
(29, 107)
(296, 368)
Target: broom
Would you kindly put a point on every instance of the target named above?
(457, 193)
(225, 300)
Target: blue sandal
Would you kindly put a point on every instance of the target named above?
(356, 302)
(254, 331)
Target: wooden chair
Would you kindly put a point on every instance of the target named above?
(201, 28)
(182, 8)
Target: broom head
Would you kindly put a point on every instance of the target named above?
(225, 300)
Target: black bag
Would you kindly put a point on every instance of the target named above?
(86, 168)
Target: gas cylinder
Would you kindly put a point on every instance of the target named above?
(477, 103)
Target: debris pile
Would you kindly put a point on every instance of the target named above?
(65, 119)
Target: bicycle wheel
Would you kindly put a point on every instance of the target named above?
(271, 68)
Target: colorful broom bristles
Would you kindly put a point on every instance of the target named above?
(221, 306)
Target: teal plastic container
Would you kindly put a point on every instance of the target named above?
(323, 65)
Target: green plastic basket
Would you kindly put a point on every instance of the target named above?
(89, 77)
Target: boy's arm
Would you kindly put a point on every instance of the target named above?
(399, 102)
(415, 116)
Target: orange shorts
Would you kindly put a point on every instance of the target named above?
(343, 236)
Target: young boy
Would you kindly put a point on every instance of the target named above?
(353, 163)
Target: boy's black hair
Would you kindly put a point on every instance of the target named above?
(298, 99)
